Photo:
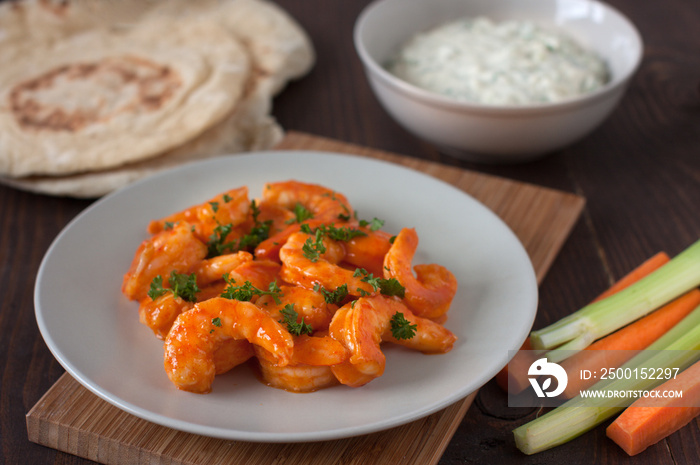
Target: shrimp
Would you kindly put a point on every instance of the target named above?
(197, 334)
(270, 248)
(324, 204)
(298, 378)
(159, 314)
(228, 208)
(213, 269)
(231, 353)
(278, 216)
(362, 326)
(429, 293)
(303, 271)
(310, 306)
(310, 367)
(176, 249)
(368, 251)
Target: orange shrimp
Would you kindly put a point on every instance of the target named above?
(213, 269)
(303, 271)
(269, 249)
(297, 378)
(310, 306)
(278, 216)
(231, 353)
(368, 251)
(176, 249)
(230, 207)
(260, 273)
(362, 325)
(160, 314)
(429, 293)
(310, 367)
(323, 203)
(196, 335)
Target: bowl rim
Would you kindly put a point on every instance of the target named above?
(615, 84)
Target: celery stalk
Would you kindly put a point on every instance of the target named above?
(580, 329)
(679, 347)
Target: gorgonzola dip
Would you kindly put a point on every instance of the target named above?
(508, 63)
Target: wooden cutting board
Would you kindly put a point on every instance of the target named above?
(72, 419)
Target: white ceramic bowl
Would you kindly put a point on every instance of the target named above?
(487, 133)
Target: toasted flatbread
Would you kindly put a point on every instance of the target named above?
(277, 48)
(249, 128)
(100, 98)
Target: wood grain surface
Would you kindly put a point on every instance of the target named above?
(639, 173)
(73, 420)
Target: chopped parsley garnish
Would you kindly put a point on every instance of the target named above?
(301, 214)
(290, 319)
(216, 322)
(333, 232)
(333, 297)
(217, 244)
(389, 287)
(374, 225)
(247, 291)
(258, 233)
(314, 248)
(181, 285)
(401, 328)
(340, 234)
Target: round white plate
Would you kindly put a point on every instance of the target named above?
(94, 332)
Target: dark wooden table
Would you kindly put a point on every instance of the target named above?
(640, 174)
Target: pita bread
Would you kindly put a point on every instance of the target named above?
(249, 128)
(277, 47)
(126, 97)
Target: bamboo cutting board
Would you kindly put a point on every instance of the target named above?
(72, 419)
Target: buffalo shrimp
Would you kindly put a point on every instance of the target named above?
(368, 251)
(196, 335)
(362, 325)
(310, 368)
(310, 306)
(228, 208)
(321, 203)
(176, 249)
(323, 270)
(429, 293)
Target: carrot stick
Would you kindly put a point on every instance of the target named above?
(646, 268)
(513, 377)
(522, 360)
(618, 347)
(649, 420)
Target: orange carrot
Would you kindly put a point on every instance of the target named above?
(649, 420)
(646, 268)
(513, 377)
(521, 362)
(618, 347)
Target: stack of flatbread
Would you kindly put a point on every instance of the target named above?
(96, 94)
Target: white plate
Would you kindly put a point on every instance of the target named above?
(94, 332)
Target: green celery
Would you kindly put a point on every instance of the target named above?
(578, 330)
(679, 347)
